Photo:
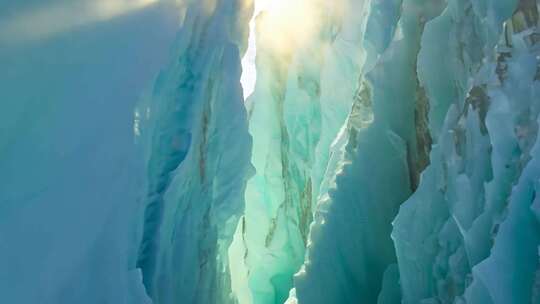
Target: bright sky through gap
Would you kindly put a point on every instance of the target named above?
(249, 74)
(289, 23)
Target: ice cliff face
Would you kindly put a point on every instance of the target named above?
(70, 173)
(467, 245)
(395, 154)
(469, 72)
(194, 129)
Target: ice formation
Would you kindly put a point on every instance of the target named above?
(388, 154)
(383, 116)
(198, 158)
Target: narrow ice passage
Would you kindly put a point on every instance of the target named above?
(389, 153)
(287, 152)
(344, 120)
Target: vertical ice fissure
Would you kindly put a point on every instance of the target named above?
(370, 155)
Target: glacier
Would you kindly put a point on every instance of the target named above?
(270, 152)
(194, 114)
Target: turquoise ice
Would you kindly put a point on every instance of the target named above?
(387, 154)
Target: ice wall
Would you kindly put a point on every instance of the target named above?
(377, 159)
(194, 129)
(463, 76)
(70, 173)
(457, 237)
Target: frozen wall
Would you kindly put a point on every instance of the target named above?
(195, 134)
(70, 173)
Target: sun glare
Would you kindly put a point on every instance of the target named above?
(287, 24)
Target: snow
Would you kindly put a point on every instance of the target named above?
(70, 173)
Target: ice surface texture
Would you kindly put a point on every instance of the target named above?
(70, 173)
(388, 154)
(417, 198)
(196, 135)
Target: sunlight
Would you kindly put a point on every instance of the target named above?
(288, 24)
(249, 73)
(44, 22)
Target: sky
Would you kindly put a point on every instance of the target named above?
(249, 74)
